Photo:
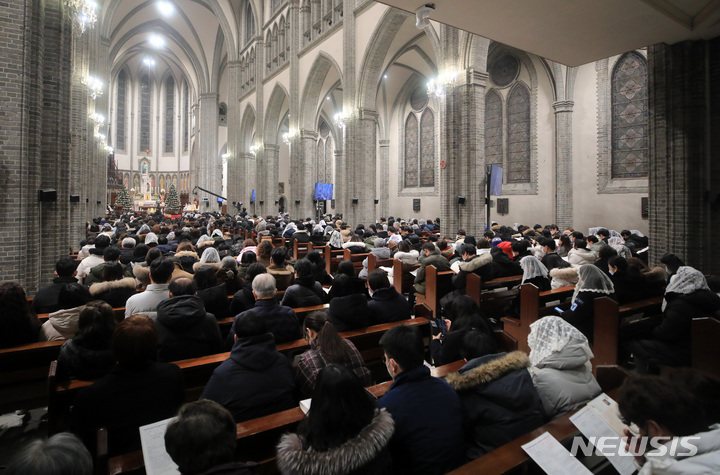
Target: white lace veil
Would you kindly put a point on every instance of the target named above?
(336, 239)
(550, 335)
(622, 250)
(210, 255)
(592, 279)
(685, 281)
(532, 268)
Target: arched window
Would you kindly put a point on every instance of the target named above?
(419, 142)
(249, 24)
(518, 135)
(630, 117)
(121, 108)
(493, 129)
(169, 113)
(222, 113)
(324, 154)
(186, 115)
(145, 104)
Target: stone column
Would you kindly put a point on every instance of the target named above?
(563, 163)
(339, 179)
(271, 155)
(383, 207)
(237, 166)
(302, 174)
(361, 159)
(209, 176)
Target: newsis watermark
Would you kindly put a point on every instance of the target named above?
(647, 446)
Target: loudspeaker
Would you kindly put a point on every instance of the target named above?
(377, 201)
(47, 195)
(98, 202)
(297, 202)
(355, 201)
(74, 198)
(262, 202)
(461, 200)
(277, 202)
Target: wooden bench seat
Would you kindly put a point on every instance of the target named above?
(374, 262)
(402, 278)
(533, 305)
(705, 347)
(437, 285)
(356, 259)
(492, 296)
(23, 374)
(333, 257)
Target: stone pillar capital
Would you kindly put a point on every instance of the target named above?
(563, 106)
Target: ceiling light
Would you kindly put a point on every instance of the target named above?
(165, 8)
(148, 62)
(157, 41)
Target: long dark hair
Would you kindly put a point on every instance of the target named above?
(466, 315)
(331, 346)
(340, 409)
(95, 326)
(18, 324)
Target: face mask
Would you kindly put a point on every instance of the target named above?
(370, 291)
(611, 272)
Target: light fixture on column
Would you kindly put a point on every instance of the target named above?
(341, 118)
(288, 136)
(93, 86)
(83, 13)
(109, 149)
(97, 119)
(439, 85)
(254, 149)
(225, 156)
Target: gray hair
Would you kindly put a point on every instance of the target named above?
(128, 243)
(61, 454)
(264, 285)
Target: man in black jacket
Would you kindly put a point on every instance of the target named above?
(184, 329)
(256, 379)
(281, 321)
(387, 305)
(46, 298)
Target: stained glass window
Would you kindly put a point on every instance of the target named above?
(249, 24)
(411, 151)
(121, 111)
(630, 118)
(493, 129)
(186, 116)
(427, 149)
(169, 113)
(518, 135)
(145, 102)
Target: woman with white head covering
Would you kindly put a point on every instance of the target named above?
(210, 257)
(336, 241)
(289, 230)
(562, 374)
(592, 283)
(534, 272)
(687, 296)
(204, 240)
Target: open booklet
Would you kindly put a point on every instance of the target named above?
(152, 439)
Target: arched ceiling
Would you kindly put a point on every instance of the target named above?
(200, 36)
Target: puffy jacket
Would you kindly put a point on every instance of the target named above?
(216, 300)
(255, 380)
(580, 257)
(563, 380)
(434, 259)
(61, 325)
(185, 330)
(676, 325)
(480, 265)
(281, 321)
(499, 400)
(304, 293)
(387, 305)
(349, 312)
(115, 292)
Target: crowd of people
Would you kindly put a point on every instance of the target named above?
(177, 278)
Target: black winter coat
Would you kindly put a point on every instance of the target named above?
(582, 313)
(216, 300)
(242, 300)
(499, 401)
(503, 266)
(281, 321)
(46, 299)
(349, 312)
(304, 293)
(676, 325)
(387, 305)
(255, 380)
(76, 361)
(185, 330)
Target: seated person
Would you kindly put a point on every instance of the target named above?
(46, 298)
(256, 379)
(244, 298)
(138, 391)
(114, 288)
(592, 283)
(498, 398)
(61, 454)
(306, 291)
(348, 310)
(319, 270)
(359, 285)
(380, 250)
(464, 317)
(281, 321)
(387, 305)
(63, 324)
(202, 440)
(213, 294)
(327, 347)
(471, 262)
(662, 408)
(406, 254)
(551, 259)
(427, 412)
(87, 355)
(561, 371)
(687, 296)
(580, 255)
(18, 324)
(280, 269)
(185, 330)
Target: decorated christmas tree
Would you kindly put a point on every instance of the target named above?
(123, 199)
(172, 202)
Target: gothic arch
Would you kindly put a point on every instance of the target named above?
(313, 89)
(247, 128)
(272, 113)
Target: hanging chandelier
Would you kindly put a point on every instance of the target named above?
(93, 86)
(341, 118)
(82, 13)
(444, 82)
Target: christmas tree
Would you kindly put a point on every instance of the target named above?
(123, 199)
(172, 202)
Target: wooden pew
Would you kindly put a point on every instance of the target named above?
(705, 347)
(333, 257)
(197, 371)
(301, 312)
(23, 374)
(118, 315)
(402, 278)
(511, 458)
(356, 259)
(437, 285)
(533, 305)
(300, 249)
(374, 262)
(492, 296)
(611, 319)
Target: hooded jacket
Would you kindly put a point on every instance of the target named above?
(580, 257)
(75, 361)
(348, 312)
(114, 292)
(387, 305)
(305, 292)
(499, 401)
(366, 453)
(216, 300)
(46, 298)
(281, 321)
(564, 381)
(61, 325)
(564, 277)
(185, 330)
(480, 265)
(187, 259)
(255, 380)
(676, 325)
(706, 460)
(434, 259)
